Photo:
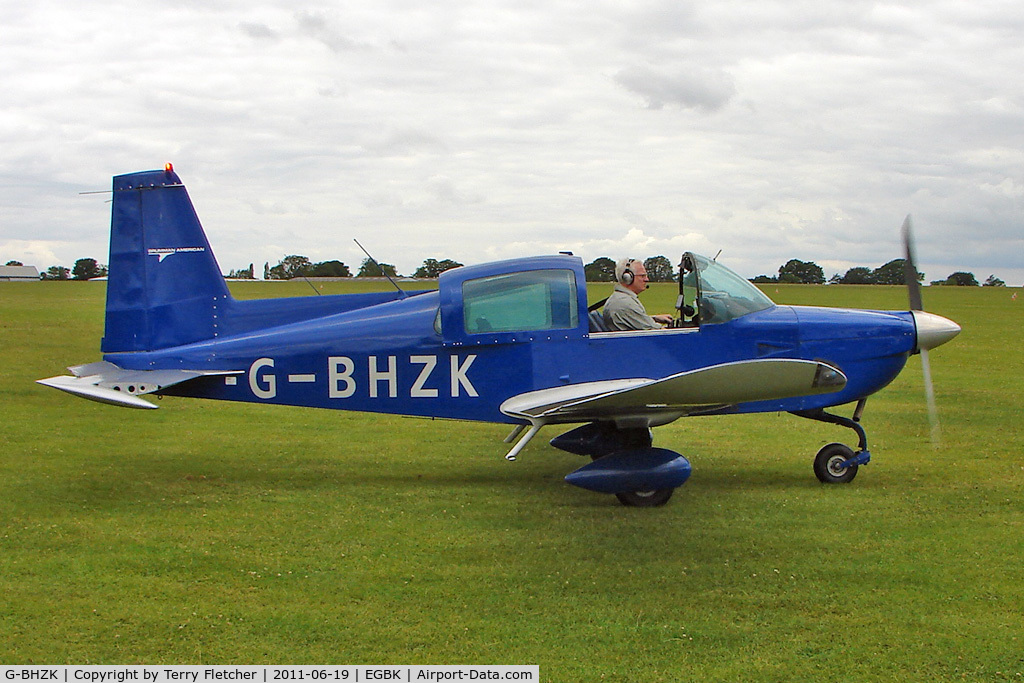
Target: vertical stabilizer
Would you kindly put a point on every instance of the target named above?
(165, 286)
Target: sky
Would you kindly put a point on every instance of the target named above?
(483, 130)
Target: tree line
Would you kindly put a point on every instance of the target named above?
(659, 269)
(601, 269)
(289, 267)
(293, 266)
(85, 269)
(891, 273)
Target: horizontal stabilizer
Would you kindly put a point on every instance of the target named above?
(84, 388)
(107, 383)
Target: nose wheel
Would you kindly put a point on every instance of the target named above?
(832, 464)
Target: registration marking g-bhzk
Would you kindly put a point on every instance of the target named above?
(383, 370)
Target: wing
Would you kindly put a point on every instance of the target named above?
(660, 401)
(108, 383)
(684, 393)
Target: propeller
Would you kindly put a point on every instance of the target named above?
(910, 267)
(932, 329)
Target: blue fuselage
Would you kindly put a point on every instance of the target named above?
(401, 356)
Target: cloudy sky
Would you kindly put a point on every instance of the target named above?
(769, 130)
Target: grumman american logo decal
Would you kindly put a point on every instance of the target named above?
(161, 254)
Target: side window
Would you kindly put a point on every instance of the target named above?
(514, 302)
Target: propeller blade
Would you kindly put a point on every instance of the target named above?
(929, 394)
(944, 331)
(910, 268)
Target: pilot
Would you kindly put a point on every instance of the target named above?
(623, 310)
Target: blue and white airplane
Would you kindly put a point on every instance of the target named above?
(510, 341)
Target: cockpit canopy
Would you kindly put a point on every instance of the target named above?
(546, 297)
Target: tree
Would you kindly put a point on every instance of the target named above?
(266, 271)
(371, 269)
(242, 273)
(331, 269)
(56, 273)
(807, 272)
(659, 269)
(87, 268)
(601, 269)
(14, 263)
(764, 280)
(432, 267)
(291, 266)
(993, 281)
(858, 276)
(959, 279)
(892, 273)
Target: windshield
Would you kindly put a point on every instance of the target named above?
(724, 295)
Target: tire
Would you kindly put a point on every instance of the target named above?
(826, 464)
(645, 499)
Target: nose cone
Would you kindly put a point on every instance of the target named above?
(933, 330)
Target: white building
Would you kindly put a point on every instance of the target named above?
(19, 274)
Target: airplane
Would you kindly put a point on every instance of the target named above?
(511, 341)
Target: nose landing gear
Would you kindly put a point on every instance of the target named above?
(837, 463)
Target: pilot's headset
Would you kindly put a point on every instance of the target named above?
(624, 271)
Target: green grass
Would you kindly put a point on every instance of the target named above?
(236, 533)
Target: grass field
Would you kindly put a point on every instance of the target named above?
(236, 533)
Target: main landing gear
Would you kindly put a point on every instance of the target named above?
(837, 463)
(624, 463)
(645, 499)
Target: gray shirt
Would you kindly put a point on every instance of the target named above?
(623, 311)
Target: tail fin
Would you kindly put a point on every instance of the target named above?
(164, 285)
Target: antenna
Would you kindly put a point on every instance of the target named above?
(318, 292)
(374, 262)
(99, 192)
